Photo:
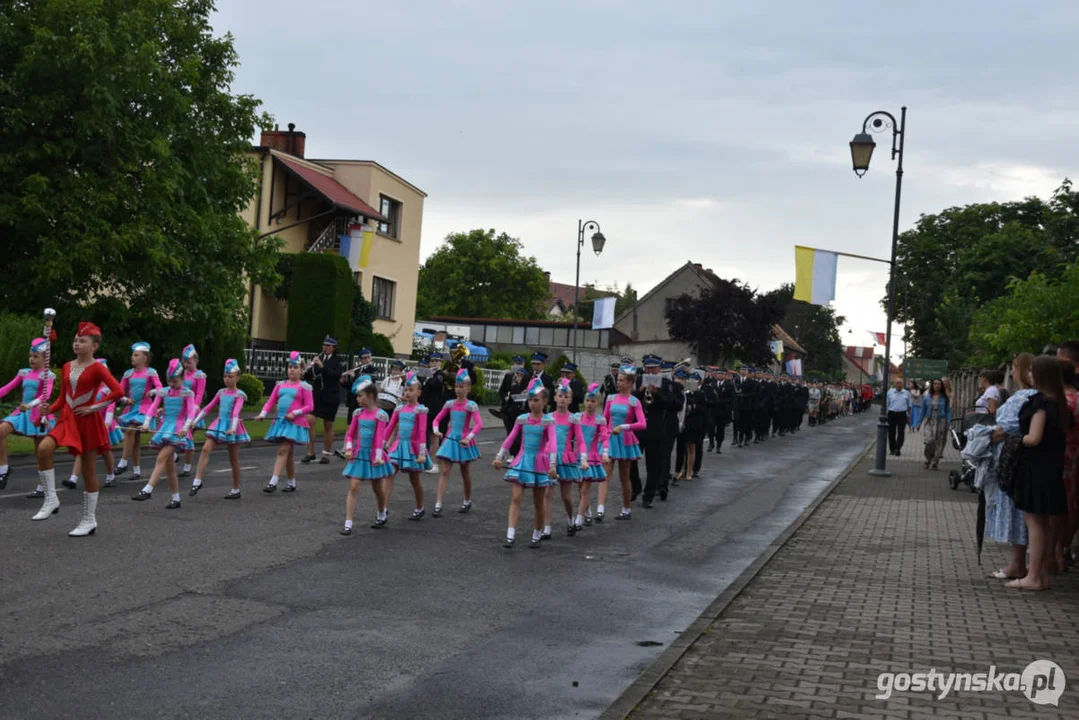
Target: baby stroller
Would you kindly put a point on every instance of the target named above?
(965, 474)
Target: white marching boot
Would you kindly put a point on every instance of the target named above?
(51, 505)
(88, 524)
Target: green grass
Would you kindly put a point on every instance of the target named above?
(255, 428)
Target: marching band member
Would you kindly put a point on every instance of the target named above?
(291, 401)
(137, 382)
(571, 456)
(408, 453)
(364, 452)
(324, 376)
(116, 436)
(625, 418)
(534, 466)
(174, 433)
(459, 445)
(228, 429)
(195, 381)
(80, 428)
(28, 420)
(596, 438)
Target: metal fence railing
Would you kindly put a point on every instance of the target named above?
(273, 365)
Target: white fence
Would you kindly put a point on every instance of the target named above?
(273, 365)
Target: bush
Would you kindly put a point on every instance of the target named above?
(16, 332)
(498, 364)
(320, 301)
(253, 389)
(380, 344)
(478, 394)
(504, 358)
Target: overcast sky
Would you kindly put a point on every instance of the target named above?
(708, 131)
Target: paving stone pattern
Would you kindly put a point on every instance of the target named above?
(883, 577)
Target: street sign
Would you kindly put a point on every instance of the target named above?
(923, 369)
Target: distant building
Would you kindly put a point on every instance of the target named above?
(311, 204)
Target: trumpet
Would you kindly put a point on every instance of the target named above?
(452, 365)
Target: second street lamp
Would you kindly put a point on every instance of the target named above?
(598, 241)
(861, 150)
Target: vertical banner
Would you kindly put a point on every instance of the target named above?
(603, 313)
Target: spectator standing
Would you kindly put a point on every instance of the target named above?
(898, 417)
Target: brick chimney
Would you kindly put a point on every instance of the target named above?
(290, 141)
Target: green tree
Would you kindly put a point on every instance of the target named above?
(1035, 312)
(481, 274)
(815, 327)
(724, 322)
(123, 167)
(959, 258)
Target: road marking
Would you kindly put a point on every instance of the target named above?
(244, 467)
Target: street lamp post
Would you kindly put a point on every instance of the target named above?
(861, 150)
(597, 247)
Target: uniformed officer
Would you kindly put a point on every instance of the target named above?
(539, 370)
(655, 402)
(709, 390)
(744, 403)
(672, 422)
(569, 372)
(725, 392)
(690, 445)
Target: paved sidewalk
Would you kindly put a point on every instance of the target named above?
(881, 577)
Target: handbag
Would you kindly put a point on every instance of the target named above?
(1006, 465)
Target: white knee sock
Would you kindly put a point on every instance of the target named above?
(348, 524)
(599, 508)
(579, 519)
(176, 497)
(546, 529)
(122, 464)
(292, 482)
(273, 480)
(148, 488)
(196, 482)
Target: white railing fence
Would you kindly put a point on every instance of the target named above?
(273, 365)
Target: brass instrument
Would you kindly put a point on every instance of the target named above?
(451, 365)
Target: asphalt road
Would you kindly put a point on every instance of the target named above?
(259, 609)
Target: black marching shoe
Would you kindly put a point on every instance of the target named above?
(3, 479)
(578, 528)
(269, 488)
(194, 490)
(338, 454)
(69, 483)
(173, 505)
(120, 471)
(135, 477)
(346, 531)
(307, 459)
(437, 512)
(545, 536)
(36, 495)
(508, 544)
(289, 488)
(599, 517)
(234, 495)
(465, 507)
(378, 524)
(663, 497)
(646, 504)
(109, 483)
(141, 495)
(417, 514)
(587, 520)
(185, 473)
(623, 515)
(534, 544)
(571, 530)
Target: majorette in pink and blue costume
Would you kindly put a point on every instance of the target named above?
(180, 410)
(229, 404)
(459, 445)
(624, 411)
(137, 385)
(596, 439)
(108, 413)
(410, 446)
(195, 381)
(536, 454)
(29, 422)
(568, 441)
(365, 439)
(290, 397)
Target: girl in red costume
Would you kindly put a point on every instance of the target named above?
(80, 428)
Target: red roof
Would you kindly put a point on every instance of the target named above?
(330, 189)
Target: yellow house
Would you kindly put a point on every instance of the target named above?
(311, 203)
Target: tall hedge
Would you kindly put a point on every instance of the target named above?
(319, 301)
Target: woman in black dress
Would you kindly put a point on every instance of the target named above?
(1039, 472)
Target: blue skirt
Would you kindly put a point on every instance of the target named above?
(134, 418)
(569, 473)
(364, 469)
(916, 416)
(594, 473)
(1003, 521)
(217, 433)
(287, 431)
(405, 460)
(453, 451)
(116, 436)
(164, 438)
(620, 451)
(522, 474)
(23, 426)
